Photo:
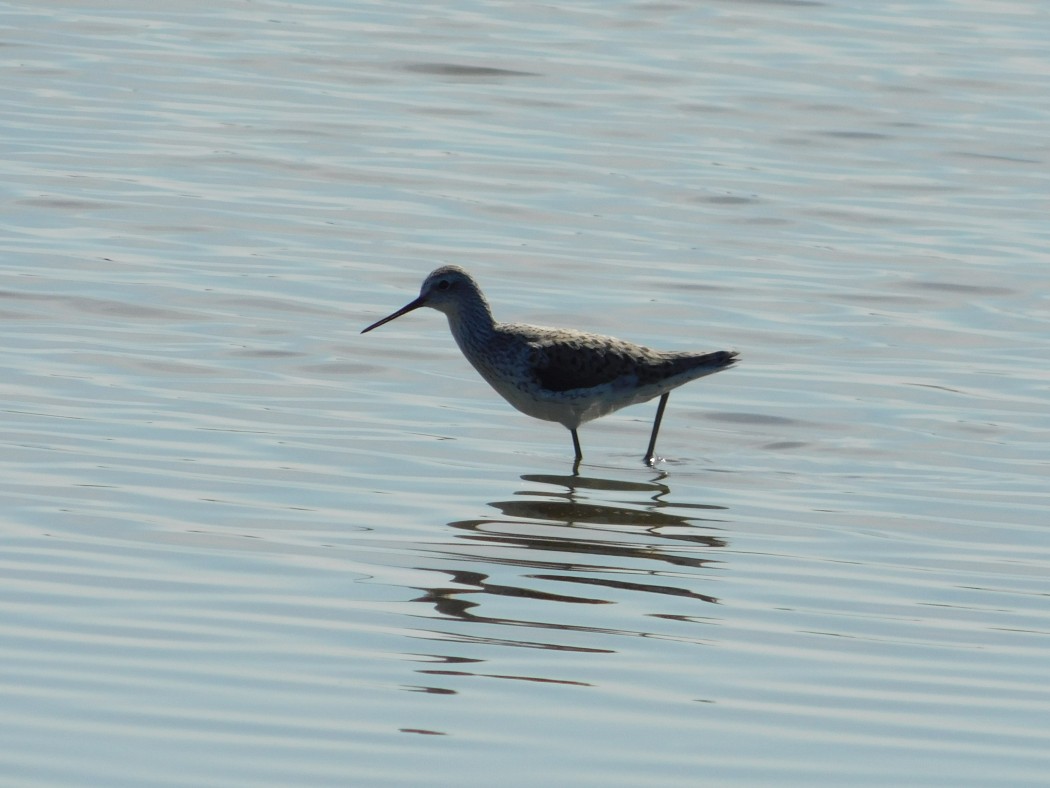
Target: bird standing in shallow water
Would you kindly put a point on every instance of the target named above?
(557, 374)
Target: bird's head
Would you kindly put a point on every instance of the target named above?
(446, 289)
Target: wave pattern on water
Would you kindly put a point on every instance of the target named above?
(243, 545)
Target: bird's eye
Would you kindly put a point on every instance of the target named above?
(444, 284)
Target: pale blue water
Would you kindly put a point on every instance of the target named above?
(242, 545)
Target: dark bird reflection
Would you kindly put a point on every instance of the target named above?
(587, 514)
(579, 563)
(567, 543)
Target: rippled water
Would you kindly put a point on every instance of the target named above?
(244, 545)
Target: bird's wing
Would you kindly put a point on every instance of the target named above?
(570, 362)
(564, 365)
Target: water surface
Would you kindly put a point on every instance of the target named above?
(244, 545)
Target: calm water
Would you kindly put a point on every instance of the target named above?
(243, 545)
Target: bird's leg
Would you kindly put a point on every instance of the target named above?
(576, 444)
(648, 459)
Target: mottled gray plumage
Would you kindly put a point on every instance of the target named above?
(556, 374)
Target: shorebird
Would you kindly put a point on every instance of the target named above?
(557, 374)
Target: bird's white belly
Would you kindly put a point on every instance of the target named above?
(569, 408)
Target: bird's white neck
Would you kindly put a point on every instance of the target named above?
(471, 324)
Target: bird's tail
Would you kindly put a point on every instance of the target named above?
(697, 366)
(720, 359)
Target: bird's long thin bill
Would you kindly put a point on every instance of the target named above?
(403, 310)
